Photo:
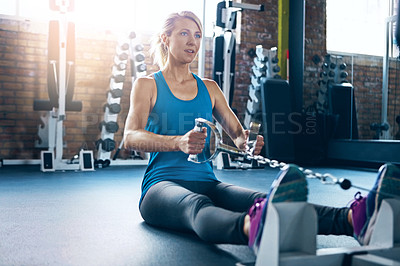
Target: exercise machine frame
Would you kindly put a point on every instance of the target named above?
(52, 159)
(289, 238)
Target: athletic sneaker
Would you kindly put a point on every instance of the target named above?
(290, 185)
(365, 209)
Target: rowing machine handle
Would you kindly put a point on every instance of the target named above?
(198, 127)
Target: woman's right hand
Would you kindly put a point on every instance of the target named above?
(193, 142)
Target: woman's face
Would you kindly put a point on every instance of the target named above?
(184, 41)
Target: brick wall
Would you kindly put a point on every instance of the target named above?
(22, 78)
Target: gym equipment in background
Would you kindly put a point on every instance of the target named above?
(265, 66)
(342, 103)
(127, 50)
(60, 84)
(385, 126)
(336, 97)
(277, 119)
(397, 34)
(397, 136)
(224, 52)
(106, 144)
(270, 58)
(225, 44)
(333, 70)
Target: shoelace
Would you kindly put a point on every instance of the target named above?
(357, 198)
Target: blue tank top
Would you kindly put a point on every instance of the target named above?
(173, 116)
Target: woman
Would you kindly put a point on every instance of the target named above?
(181, 195)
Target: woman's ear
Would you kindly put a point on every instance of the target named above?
(164, 39)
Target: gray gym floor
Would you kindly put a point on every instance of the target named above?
(92, 218)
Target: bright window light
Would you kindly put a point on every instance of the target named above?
(115, 15)
(356, 26)
(8, 8)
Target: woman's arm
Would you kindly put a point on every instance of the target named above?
(228, 120)
(143, 96)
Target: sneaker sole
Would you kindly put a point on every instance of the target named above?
(388, 187)
(289, 186)
(390, 184)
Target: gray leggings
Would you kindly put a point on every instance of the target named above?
(215, 211)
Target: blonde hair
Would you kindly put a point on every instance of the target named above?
(159, 50)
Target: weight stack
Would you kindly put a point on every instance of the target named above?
(277, 122)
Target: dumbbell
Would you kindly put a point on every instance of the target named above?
(344, 75)
(120, 66)
(123, 50)
(257, 72)
(106, 144)
(139, 57)
(260, 65)
(141, 67)
(116, 93)
(276, 68)
(111, 126)
(114, 108)
(342, 66)
(119, 78)
(124, 46)
(139, 47)
(102, 163)
(132, 35)
(121, 57)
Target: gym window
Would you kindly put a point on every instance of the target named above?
(358, 26)
(116, 15)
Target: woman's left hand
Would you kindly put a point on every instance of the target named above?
(256, 150)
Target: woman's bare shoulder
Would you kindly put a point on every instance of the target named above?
(145, 80)
(209, 82)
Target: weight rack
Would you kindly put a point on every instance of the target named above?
(128, 50)
(265, 67)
